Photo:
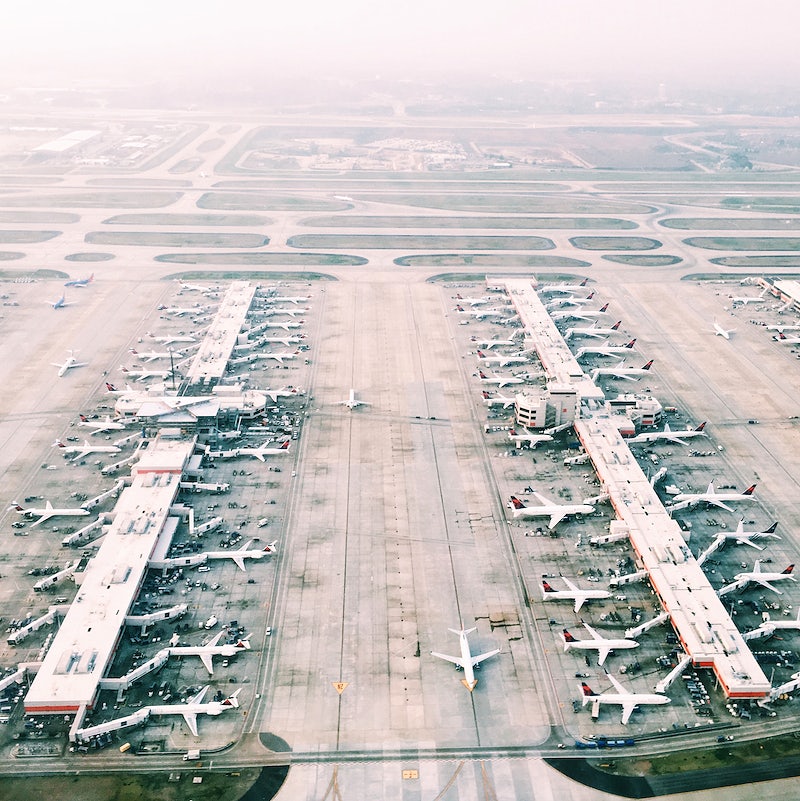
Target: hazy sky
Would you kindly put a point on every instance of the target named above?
(55, 40)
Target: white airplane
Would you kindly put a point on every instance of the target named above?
(738, 537)
(605, 350)
(209, 650)
(628, 701)
(622, 371)
(482, 314)
(581, 314)
(548, 289)
(169, 340)
(68, 364)
(668, 435)
(60, 303)
(467, 662)
(498, 400)
(598, 643)
(80, 282)
(573, 594)
(758, 576)
(781, 328)
(570, 300)
(245, 552)
(722, 332)
(711, 497)
(482, 301)
(529, 438)
(142, 375)
(195, 706)
(769, 627)
(555, 511)
(263, 450)
(279, 357)
(784, 340)
(486, 344)
(286, 341)
(84, 450)
(511, 358)
(100, 426)
(48, 512)
(286, 326)
(351, 402)
(287, 299)
(500, 381)
(593, 331)
(743, 300)
(179, 311)
(152, 355)
(283, 392)
(199, 288)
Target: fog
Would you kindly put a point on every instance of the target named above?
(49, 42)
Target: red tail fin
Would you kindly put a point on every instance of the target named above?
(481, 374)
(590, 295)
(788, 570)
(285, 446)
(584, 282)
(616, 325)
(648, 365)
(518, 504)
(750, 490)
(701, 426)
(546, 587)
(604, 308)
(110, 387)
(587, 690)
(568, 637)
(631, 343)
(84, 418)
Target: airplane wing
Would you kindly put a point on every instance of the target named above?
(579, 602)
(207, 662)
(456, 660)
(720, 504)
(46, 516)
(617, 686)
(594, 635)
(764, 583)
(191, 721)
(476, 660)
(627, 711)
(238, 558)
(569, 583)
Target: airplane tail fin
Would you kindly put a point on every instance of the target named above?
(788, 571)
(285, 446)
(232, 700)
(631, 343)
(110, 387)
(517, 503)
(750, 490)
(701, 427)
(616, 325)
(587, 692)
(771, 529)
(84, 418)
(604, 307)
(568, 639)
(648, 365)
(546, 588)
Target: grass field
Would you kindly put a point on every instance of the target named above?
(614, 243)
(519, 204)
(731, 223)
(487, 261)
(642, 259)
(96, 200)
(263, 259)
(744, 242)
(193, 239)
(260, 201)
(189, 219)
(353, 221)
(421, 242)
(26, 237)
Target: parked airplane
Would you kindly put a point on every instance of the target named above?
(195, 706)
(555, 511)
(273, 310)
(80, 282)
(68, 364)
(769, 627)
(500, 381)
(620, 370)
(738, 537)
(142, 375)
(466, 662)
(180, 311)
(84, 450)
(482, 301)
(628, 701)
(283, 392)
(486, 344)
(210, 649)
(781, 328)
(743, 300)
(598, 643)
(199, 288)
(592, 331)
(605, 350)
(722, 332)
(711, 497)
(279, 357)
(286, 326)
(263, 450)
(286, 299)
(498, 400)
(572, 594)
(100, 426)
(511, 358)
(48, 512)
(758, 576)
(261, 341)
(529, 438)
(548, 289)
(570, 300)
(60, 303)
(245, 552)
(152, 355)
(482, 314)
(351, 403)
(784, 340)
(668, 435)
(581, 314)
(169, 340)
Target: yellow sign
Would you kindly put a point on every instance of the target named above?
(340, 686)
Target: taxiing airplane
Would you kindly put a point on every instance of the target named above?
(668, 435)
(60, 303)
(592, 331)
(101, 426)
(351, 403)
(498, 400)
(466, 662)
(528, 438)
(572, 594)
(264, 450)
(555, 511)
(199, 288)
(627, 700)
(210, 649)
(710, 497)
(68, 364)
(80, 282)
(511, 358)
(195, 706)
(605, 350)
(84, 450)
(245, 552)
(602, 645)
(758, 576)
(722, 332)
(620, 370)
(499, 380)
(48, 512)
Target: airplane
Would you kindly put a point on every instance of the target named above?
(142, 375)
(668, 435)
(722, 332)
(351, 402)
(101, 426)
(279, 357)
(169, 340)
(68, 364)
(769, 627)
(598, 643)
(60, 303)
(628, 701)
(581, 314)
(286, 326)
(501, 381)
(48, 512)
(152, 355)
(481, 314)
(497, 400)
(566, 288)
(573, 594)
(209, 650)
(179, 311)
(195, 706)
(738, 537)
(84, 450)
(781, 328)
(283, 392)
(80, 282)
(286, 299)
(286, 341)
(486, 344)
(467, 662)
(263, 451)
(744, 300)
(758, 576)
(528, 437)
(621, 371)
(605, 350)
(240, 554)
(711, 497)
(511, 358)
(784, 340)
(199, 288)
(474, 301)
(570, 300)
(593, 331)
(555, 511)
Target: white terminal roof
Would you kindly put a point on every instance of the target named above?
(211, 359)
(178, 409)
(67, 141)
(789, 288)
(701, 621)
(83, 649)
